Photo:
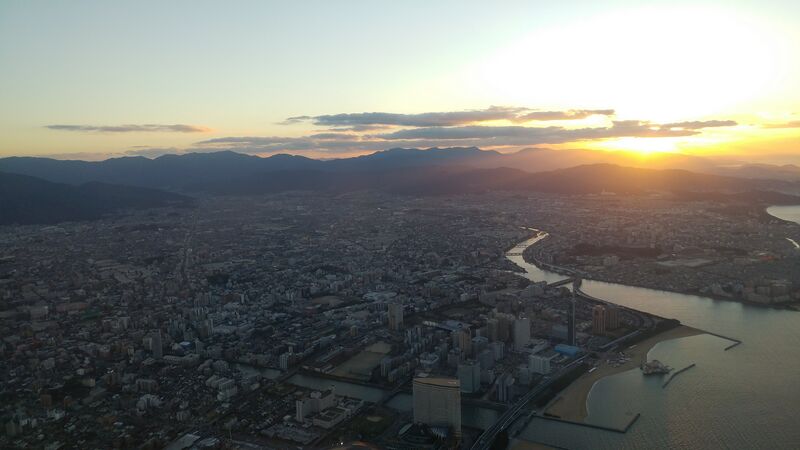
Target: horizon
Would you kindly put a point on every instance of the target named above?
(623, 158)
(703, 79)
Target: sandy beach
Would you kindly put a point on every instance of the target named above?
(570, 404)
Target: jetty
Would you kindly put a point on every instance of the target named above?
(672, 377)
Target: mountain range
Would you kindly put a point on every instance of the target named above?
(190, 172)
(42, 190)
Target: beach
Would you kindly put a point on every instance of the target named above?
(570, 404)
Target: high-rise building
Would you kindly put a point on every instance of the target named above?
(469, 376)
(598, 320)
(437, 402)
(522, 333)
(395, 316)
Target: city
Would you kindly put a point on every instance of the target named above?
(416, 225)
(302, 319)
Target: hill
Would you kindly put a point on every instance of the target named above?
(30, 200)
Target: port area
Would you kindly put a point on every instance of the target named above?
(570, 404)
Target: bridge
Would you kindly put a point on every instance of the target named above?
(513, 413)
(563, 282)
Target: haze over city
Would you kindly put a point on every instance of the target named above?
(399, 225)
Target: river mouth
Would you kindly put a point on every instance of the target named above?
(705, 407)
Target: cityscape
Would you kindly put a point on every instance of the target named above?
(210, 255)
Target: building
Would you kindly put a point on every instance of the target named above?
(505, 388)
(522, 333)
(599, 320)
(541, 363)
(576, 285)
(437, 402)
(314, 403)
(567, 350)
(395, 316)
(498, 349)
(469, 376)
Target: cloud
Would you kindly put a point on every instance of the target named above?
(700, 124)
(790, 124)
(373, 131)
(443, 119)
(520, 135)
(571, 114)
(324, 142)
(176, 128)
(465, 135)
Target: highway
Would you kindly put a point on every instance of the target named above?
(512, 414)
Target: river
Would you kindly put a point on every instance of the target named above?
(747, 397)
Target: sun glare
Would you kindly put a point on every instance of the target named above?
(642, 146)
(664, 64)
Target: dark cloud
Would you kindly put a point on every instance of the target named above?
(271, 144)
(443, 119)
(177, 128)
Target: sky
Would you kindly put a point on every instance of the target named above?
(97, 79)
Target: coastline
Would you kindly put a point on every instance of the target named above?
(570, 404)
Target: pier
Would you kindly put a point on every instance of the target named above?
(672, 377)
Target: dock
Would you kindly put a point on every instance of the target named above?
(672, 377)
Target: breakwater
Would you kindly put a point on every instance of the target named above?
(675, 374)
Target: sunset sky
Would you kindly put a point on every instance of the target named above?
(92, 80)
